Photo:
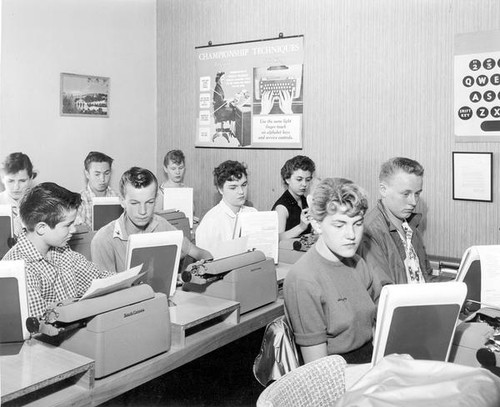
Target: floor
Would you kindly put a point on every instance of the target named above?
(221, 378)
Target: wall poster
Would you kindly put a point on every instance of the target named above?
(250, 94)
(477, 87)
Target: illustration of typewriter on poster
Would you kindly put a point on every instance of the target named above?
(278, 89)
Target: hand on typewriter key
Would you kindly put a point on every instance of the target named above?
(267, 102)
(285, 97)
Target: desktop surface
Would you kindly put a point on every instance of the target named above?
(39, 365)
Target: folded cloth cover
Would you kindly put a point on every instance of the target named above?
(399, 380)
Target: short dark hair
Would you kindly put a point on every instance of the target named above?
(47, 202)
(176, 156)
(229, 171)
(16, 162)
(137, 177)
(299, 162)
(96, 157)
(391, 166)
(331, 193)
(219, 75)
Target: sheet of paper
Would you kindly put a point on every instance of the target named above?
(180, 199)
(490, 274)
(112, 283)
(230, 247)
(468, 257)
(261, 228)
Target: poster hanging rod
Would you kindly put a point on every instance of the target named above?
(279, 37)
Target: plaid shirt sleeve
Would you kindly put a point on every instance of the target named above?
(37, 304)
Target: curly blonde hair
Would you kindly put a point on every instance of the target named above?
(332, 193)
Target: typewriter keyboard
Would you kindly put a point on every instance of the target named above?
(277, 85)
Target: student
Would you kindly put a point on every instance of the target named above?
(138, 190)
(174, 166)
(293, 212)
(330, 293)
(392, 239)
(220, 223)
(98, 173)
(17, 177)
(54, 272)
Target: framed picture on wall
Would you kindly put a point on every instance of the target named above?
(84, 95)
(472, 176)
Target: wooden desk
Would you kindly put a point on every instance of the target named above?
(193, 311)
(195, 345)
(38, 366)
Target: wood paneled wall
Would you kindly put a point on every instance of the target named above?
(378, 82)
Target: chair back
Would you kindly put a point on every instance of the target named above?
(318, 383)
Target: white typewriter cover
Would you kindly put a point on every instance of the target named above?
(14, 301)
(99, 214)
(418, 319)
(160, 255)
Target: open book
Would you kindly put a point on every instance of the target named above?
(118, 281)
(489, 276)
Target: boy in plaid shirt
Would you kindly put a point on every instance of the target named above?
(54, 272)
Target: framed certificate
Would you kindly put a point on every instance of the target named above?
(472, 176)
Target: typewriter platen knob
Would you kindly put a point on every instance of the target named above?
(32, 325)
(186, 276)
(488, 357)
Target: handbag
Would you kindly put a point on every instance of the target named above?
(278, 353)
